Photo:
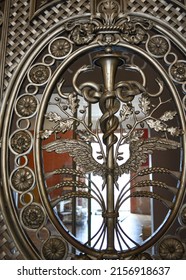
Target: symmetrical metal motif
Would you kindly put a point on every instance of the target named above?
(23, 35)
(52, 115)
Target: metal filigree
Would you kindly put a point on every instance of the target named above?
(109, 25)
(32, 216)
(171, 248)
(115, 101)
(20, 142)
(52, 100)
(54, 249)
(158, 46)
(39, 74)
(22, 179)
(81, 153)
(59, 48)
(26, 105)
(178, 71)
(127, 29)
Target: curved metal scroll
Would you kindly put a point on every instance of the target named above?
(90, 91)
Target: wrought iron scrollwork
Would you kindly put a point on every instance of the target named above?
(109, 26)
(85, 69)
(116, 105)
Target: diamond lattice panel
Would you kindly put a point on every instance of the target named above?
(164, 10)
(22, 33)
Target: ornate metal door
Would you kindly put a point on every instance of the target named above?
(81, 82)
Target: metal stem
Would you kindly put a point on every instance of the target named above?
(109, 63)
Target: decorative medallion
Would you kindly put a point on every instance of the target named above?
(21, 141)
(178, 71)
(158, 46)
(171, 248)
(26, 105)
(54, 249)
(33, 216)
(39, 74)
(22, 179)
(59, 48)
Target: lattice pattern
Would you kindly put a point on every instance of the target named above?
(23, 34)
(8, 249)
(168, 12)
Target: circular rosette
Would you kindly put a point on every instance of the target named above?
(22, 179)
(26, 106)
(171, 248)
(178, 71)
(54, 248)
(32, 216)
(158, 46)
(60, 47)
(39, 74)
(20, 142)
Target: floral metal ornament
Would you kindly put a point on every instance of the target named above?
(158, 46)
(178, 71)
(33, 216)
(26, 105)
(171, 248)
(109, 25)
(60, 47)
(39, 74)
(54, 249)
(22, 179)
(20, 142)
(80, 33)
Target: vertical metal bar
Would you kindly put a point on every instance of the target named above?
(32, 8)
(109, 63)
(3, 45)
(74, 204)
(89, 183)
